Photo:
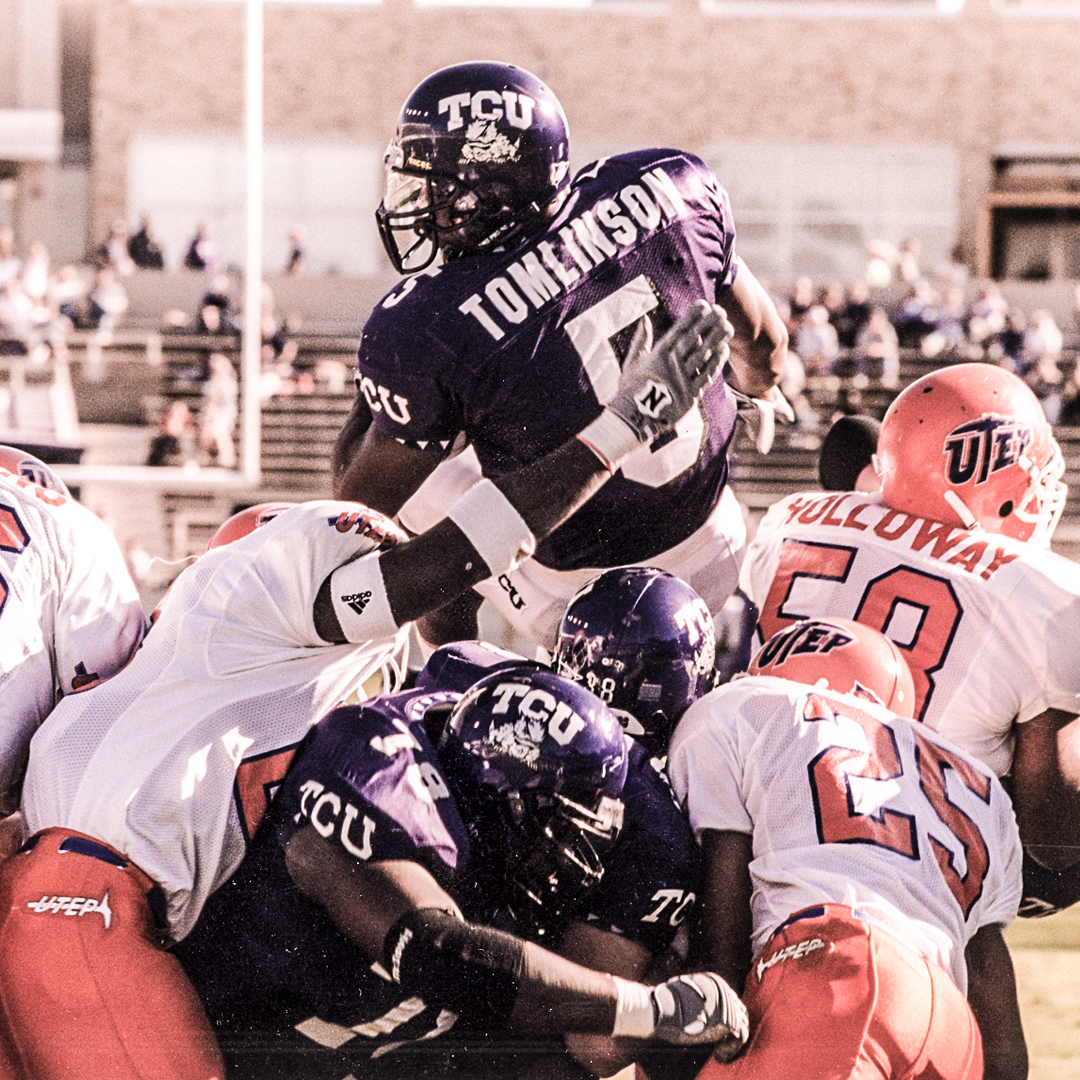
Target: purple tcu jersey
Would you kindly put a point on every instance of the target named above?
(521, 349)
(264, 958)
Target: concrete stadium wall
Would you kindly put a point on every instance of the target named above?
(992, 76)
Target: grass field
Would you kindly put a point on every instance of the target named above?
(1046, 954)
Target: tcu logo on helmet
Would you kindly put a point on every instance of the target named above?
(975, 450)
(538, 714)
(516, 109)
(817, 638)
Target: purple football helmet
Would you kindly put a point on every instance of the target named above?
(644, 642)
(537, 765)
(481, 154)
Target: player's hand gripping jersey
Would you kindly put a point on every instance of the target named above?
(264, 957)
(173, 760)
(69, 611)
(970, 611)
(519, 351)
(851, 805)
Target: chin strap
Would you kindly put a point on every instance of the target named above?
(967, 518)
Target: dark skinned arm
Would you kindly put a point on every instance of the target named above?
(760, 343)
(440, 564)
(724, 922)
(992, 997)
(366, 899)
(1046, 787)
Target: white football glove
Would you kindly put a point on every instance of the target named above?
(760, 414)
(692, 1010)
(658, 386)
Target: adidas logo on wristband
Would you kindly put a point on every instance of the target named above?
(357, 601)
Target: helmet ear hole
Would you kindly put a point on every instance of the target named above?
(1006, 509)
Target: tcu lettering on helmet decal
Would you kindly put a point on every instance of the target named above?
(979, 448)
(488, 106)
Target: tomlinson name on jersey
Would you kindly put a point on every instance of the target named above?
(597, 233)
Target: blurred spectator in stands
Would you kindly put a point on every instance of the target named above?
(108, 300)
(1069, 416)
(174, 443)
(793, 387)
(17, 329)
(1047, 381)
(143, 247)
(219, 294)
(213, 319)
(881, 260)
(10, 263)
(849, 402)
(907, 261)
(218, 413)
(853, 315)
(1044, 336)
(816, 342)
(916, 315)
(202, 252)
(67, 293)
(113, 250)
(986, 315)
(297, 260)
(799, 301)
(877, 350)
(952, 320)
(951, 271)
(35, 273)
(1008, 347)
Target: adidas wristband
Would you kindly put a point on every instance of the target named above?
(635, 1016)
(360, 603)
(610, 438)
(493, 526)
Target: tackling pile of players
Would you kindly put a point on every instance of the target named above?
(249, 842)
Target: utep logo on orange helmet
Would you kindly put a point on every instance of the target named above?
(975, 450)
(818, 638)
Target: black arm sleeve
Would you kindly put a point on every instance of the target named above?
(473, 970)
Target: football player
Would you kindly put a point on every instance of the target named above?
(860, 869)
(951, 560)
(141, 795)
(527, 292)
(419, 841)
(643, 641)
(69, 611)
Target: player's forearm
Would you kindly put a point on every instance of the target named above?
(1046, 787)
(760, 344)
(992, 997)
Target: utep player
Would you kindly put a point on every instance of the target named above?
(868, 864)
(527, 294)
(951, 560)
(412, 854)
(141, 794)
(69, 611)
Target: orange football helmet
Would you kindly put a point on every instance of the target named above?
(246, 521)
(969, 445)
(840, 655)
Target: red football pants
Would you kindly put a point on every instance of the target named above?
(86, 991)
(831, 996)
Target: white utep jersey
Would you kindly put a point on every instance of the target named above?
(987, 624)
(849, 804)
(172, 761)
(68, 610)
